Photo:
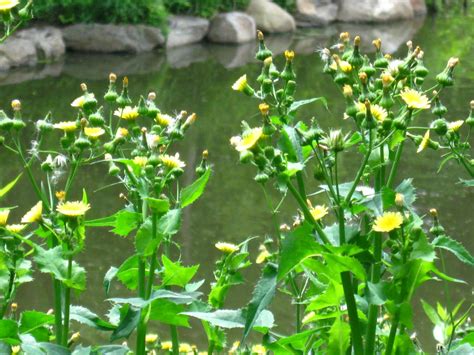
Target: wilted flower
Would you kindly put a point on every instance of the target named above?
(66, 126)
(263, 255)
(227, 248)
(455, 126)
(424, 142)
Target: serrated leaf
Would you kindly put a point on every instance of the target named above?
(175, 274)
(109, 276)
(192, 192)
(297, 104)
(32, 320)
(145, 242)
(129, 318)
(85, 316)
(9, 332)
(230, 319)
(423, 250)
(158, 205)
(455, 247)
(339, 337)
(170, 223)
(168, 312)
(339, 263)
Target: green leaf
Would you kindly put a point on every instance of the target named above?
(297, 104)
(290, 144)
(85, 316)
(331, 297)
(339, 263)
(129, 318)
(468, 183)
(109, 276)
(4, 190)
(9, 332)
(170, 223)
(158, 205)
(192, 192)
(397, 138)
(431, 313)
(339, 337)
(175, 274)
(128, 271)
(423, 250)
(168, 312)
(453, 246)
(145, 242)
(110, 350)
(32, 320)
(379, 293)
(408, 191)
(230, 319)
(125, 222)
(51, 261)
(262, 296)
(298, 245)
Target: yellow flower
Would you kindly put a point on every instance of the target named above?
(248, 139)
(151, 338)
(259, 349)
(388, 222)
(78, 102)
(16, 349)
(347, 90)
(454, 126)
(345, 66)
(424, 142)
(166, 345)
(121, 133)
(60, 195)
(6, 5)
(66, 126)
(93, 132)
(235, 347)
(33, 215)
(73, 208)
(15, 228)
(4, 217)
(289, 55)
(171, 161)
(227, 248)
(164, 120)
(415, 99)
(318, 211)
(127, 113)
(140, 161)
(240, 84)
(377, 111)
(185, 348)
(264, 254)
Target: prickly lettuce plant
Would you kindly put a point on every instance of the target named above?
(14, 15)
(358, 249)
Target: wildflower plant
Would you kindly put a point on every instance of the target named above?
(358, 248)
(14, 15)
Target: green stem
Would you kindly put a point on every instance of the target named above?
(67, 304)
(174, 339)
(210, 348)
(373, 309)
(58, 311)
(300, 181)
(352, 311)
(142, 324)
(393, 332)
(296, 292)
(151, 273)
(396, 161)
(8, 295)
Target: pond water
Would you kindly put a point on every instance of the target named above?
(198, 78)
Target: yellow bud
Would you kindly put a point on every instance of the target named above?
(152, 96)
(363, 77)
(125, 81)
(14, 307)
(377, 43)
(264, 108)
(387, 79)
(75, 337)
(357, 41)
(268, 61)
(434, 212)
(205, 154)
(347, 91)
(151, 338)
(83, 87)
(112, 77)
(16, 105)
(472, 104)
(452, 62)
(60, 195)
(289, 55)
(344, 36)
(260, 35)
(399, 199)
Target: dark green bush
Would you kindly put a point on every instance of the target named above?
(204, 8)
(289, 5)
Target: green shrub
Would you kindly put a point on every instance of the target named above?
(204, 8)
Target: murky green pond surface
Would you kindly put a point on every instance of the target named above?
(198, 78)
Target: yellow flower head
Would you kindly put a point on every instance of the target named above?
(33, 215)
(166, 345)
(264, 254)
(424, 142)
(241, 83)
(248, 139)
(93, 132)
(388, 222)
(73, 208)
(121, 133)
(66, 126)
(127, 113)
(172, 162)
(387, 79)
(235, 347)
(347, 90)
(377, 111)
(415, 99)
(318, 211)
(6, 5)
(227, 248)
(79, 102)
(164, 119)
(185, 348)
(259, 349)
(140, 161)
(60, 195)
(15, 228)
(454, 126)
(289, 55)
(16, 349)
(4, 217)
(264, 108)
(151, 338)
(345, 66)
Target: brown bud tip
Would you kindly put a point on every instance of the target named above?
(125, 81)
(75, 337)
(205, 154)
(143, 130)
(16, 105)
(112, 77)
(152, 96)
(260, 35)
(357, 41)
(367, 105)
(377, 43)
(452, 62)
(417, 51)
(434, 212)
(83, 87)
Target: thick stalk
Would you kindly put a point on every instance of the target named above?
(58, 321)
(210, 348)
(8, 296)
(300, 181)
(67, 304)
(151, 273)
(396, 161)
(173, 328)
(393, 332)
(373, 309)
(141, 328)
(356, 335)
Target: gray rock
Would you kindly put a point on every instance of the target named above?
(23, 74)
(270, 17)
(419, 7)
(184, 56)
(17, 52)
(234, 56)
(232, 27)
(310, 14)
(186, 30)
(112, 38)
(374, 10)
(48, 42)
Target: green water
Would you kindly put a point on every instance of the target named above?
(198, 79)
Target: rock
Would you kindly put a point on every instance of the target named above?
(23, 74)
(186, 30)
(374, 10)
(232, 27)
(112, 38)
(16, 52)
(184, 56)
(270, 17)
(233, 56)
(419, 7)
(310, 14)
(48, 42)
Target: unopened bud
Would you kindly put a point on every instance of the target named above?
(125, 81)
(108, 157)
(205, 154)
(434, 212)
(344, 36)
(399, 199)
(16, 105)
(357, 41)
(264, 108)
(268, 61)
(83, 87)
(387, 79)
(151, 338)
(472, 104)
(285, 228)
(14, 307)
(260, 35)
(143, 130)
(363, 77)
(409, 45)
(83, 122)
(112, 77)
(152, 96)
(347, 90)
(60, 195)
(452, 62)
(289, 55)
(191, 119)
(377, 43)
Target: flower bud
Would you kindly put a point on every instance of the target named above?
(16, 105)
(356, 59)
(288, 72)
(124, 100)
(263, 51)
(399, 199)
(335, 141)
(290, 88)
(96, 119)
(440, 126)
(470, 119)
(246, 156)
(261, 177)
(47, 165)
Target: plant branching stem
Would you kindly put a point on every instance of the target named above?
(67, 304)
(396, 161)
(352, 311)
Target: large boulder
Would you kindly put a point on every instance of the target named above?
(48, 41)
(17, 52)
(112, 38)
(419, 7)
(232, 27)
(186, 30)
(374, 10)
(310, 13)
(270, 17)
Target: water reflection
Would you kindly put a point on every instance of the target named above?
(198, 78)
